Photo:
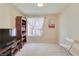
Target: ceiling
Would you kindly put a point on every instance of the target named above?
(33, 9)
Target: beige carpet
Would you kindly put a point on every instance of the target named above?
(41, 49)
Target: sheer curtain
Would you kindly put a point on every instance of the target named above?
(35, 25)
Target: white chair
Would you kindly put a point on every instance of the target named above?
(74, 50)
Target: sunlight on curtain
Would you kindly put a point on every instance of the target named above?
(35, 25)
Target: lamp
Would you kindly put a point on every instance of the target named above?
(40, 4)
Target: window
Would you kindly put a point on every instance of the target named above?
(35, 25)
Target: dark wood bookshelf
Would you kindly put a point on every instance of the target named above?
(21, 30)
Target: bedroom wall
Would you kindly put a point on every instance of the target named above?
(7, 15)
(69, 28)
(49, 34)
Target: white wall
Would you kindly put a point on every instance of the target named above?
(7, 15)
(69, 25)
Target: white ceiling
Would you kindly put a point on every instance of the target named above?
(33, 9)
